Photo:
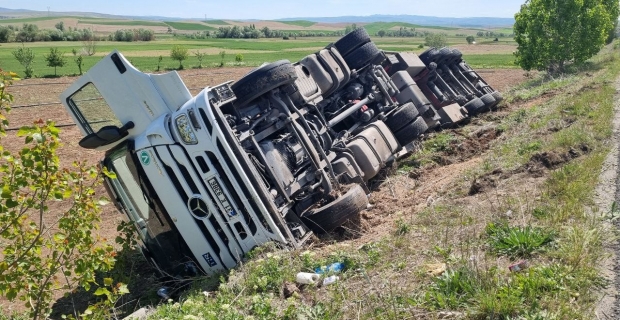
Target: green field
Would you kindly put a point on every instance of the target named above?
(144, 55)
(123, 23)
(217, 22)
(301, 23)
(28, 20)
(189, 26)
(375, 27)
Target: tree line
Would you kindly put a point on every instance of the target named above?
(31, 33)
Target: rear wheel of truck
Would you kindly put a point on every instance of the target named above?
(263, 80)
(474, 106)
(405, 114)
(352, 41)
(497, 95)
(361, 56)
(411, 131)
(488, 100)
(337, 212)
(428, 56)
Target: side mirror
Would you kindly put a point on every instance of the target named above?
(105, 135)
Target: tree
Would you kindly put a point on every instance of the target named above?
(223, 56)
(381, 33)
(28, 33)
(78, 59)
(55, 59)
(89, 46)
(179, 53)
(6, 34)
(200, 56)
(551, 33)
(61, 252)
(25, 57)
(470, 39)
(60, 26)
(436, 40)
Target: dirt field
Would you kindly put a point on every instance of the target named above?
(418, 191)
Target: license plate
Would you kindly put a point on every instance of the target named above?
(221, 197)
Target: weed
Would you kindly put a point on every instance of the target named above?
(439, 143)
(517, 241)
(529, 148)
(452, 290)
(402, 227)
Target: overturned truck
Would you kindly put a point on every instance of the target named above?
(284, 152)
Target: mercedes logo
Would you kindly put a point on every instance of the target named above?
(198, 207)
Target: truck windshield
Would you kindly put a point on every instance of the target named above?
(91, 110)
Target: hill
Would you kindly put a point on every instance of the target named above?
(486, 22)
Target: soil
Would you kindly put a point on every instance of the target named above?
(607, 192)
(392, 194)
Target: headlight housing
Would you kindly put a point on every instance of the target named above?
(185, 130)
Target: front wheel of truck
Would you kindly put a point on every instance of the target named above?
(337, 212)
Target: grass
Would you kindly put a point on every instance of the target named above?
(516, 242)
(123, 23)
(217, 22)
(375, 27)
(300, 23)
(30, 20)
(188, 26)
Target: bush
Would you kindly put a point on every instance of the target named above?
(34, 252)
(179, 53)
(239, 57)
(25, 57)
(436, 40)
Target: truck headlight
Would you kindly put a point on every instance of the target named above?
(185, 130)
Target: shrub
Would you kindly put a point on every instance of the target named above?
(517, 241)
(35, 251)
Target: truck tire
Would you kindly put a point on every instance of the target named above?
(457, 54)
(429, 56)
(444, 55)
(405, 114)
(474, 106)
(352, 41)
(488, 100)
(337, 212)
(424, 56)
(361, 56)
(411, 131)
(498, 96)
(263, 80)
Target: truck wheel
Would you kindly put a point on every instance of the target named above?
(405, 114)
(361, 56)
(263, 80)
(457, 54)
(424, 56)
(429, 56)
(411, 131)
(337, 212)
(444, 55)
(352, 41)
(488, 100)
(474, 106)
(498, 96)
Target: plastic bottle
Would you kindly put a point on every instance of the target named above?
(329, 280)
(307, 278)
(334, 267)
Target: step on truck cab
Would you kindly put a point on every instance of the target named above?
(284, 152)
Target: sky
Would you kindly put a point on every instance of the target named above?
(276, 9)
